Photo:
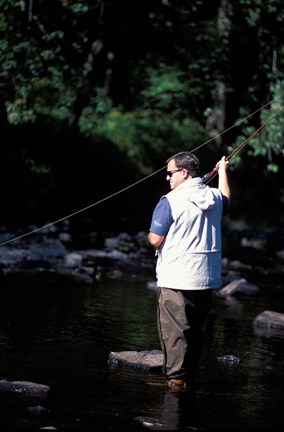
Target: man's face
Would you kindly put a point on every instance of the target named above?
(176, 175)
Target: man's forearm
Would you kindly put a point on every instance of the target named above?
(223, 182)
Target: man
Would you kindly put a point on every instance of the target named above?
(186, 232)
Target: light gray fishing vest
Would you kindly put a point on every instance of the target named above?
(190, 256)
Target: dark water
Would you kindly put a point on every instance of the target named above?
(62, 336)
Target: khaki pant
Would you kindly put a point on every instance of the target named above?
(181, 316)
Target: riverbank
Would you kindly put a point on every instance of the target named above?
(87, 256)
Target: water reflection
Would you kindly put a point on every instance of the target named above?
(175, 412)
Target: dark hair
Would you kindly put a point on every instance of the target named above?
(188, 161)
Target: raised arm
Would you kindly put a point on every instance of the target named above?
(223, 182)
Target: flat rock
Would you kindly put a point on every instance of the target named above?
(270, 320)
(139, 359)
(24, 388)
(238, 285)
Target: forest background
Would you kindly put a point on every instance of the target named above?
(96, 94)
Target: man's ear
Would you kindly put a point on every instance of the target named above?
(186, 174)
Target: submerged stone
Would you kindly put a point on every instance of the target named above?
(24, 388)
(229, 358)
(239, 285)
(270, 320)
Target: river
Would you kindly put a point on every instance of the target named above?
(62, 336)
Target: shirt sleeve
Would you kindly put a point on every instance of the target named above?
(162, 218)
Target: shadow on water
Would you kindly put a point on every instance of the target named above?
(62, 336)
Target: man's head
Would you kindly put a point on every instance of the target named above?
(182, 166)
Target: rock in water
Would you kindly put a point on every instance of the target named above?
(139, 359)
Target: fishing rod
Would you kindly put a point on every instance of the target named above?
(209, 176)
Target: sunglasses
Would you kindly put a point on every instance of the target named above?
(170, 173)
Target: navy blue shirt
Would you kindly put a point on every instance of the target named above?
(162, 218)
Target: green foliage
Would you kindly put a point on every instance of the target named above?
(36, 168)
(136, 132)
(164, 87)
(161, 126)
(270, 140)
(145, 76)
(37, 76)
